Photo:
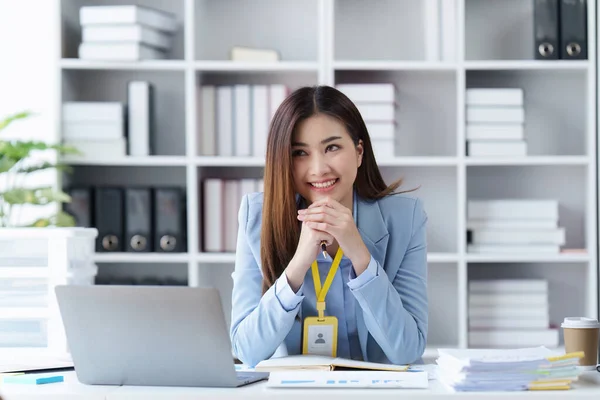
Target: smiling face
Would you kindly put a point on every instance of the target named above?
(325, 160)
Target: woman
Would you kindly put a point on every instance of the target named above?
(323, 186)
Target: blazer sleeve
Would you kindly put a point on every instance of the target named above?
(259, 324)
(395, 312)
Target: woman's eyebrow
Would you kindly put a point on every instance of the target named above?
(324, 141)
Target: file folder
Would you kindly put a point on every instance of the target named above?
(573, 29)
(138, 220)
(545, 25)
(81, 206)
(108, 214)
(170, 220)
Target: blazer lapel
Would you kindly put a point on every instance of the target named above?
(375, 235)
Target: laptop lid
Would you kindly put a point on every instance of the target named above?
(147, 335)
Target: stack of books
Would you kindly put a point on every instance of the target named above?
(514, 226)
(376, 103)
(129, 32)
(221, 205)
(96, 129)
(510, 313)
(535, 368)
(495, 120)
(234, 120)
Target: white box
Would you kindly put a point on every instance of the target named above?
(498, 114)
(383, 149)
(369, 92)
(90, 111)
(118, 52)
(95, 131)
(128, 14)
(495, 131)
(377, 112)
(494, 96)
(496, 148)
(381, 130)
(124, 34)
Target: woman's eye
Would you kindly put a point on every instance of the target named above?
(298, 153)
(332, 147)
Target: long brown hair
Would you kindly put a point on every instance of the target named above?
(280, 228)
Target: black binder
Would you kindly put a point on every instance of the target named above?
(573, 29)
(138, 220)
(108, 214)
(546, 29)
(170, 220)
(81, 206)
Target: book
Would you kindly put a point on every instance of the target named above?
(322, 363)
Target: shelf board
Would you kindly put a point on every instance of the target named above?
(528, 160)
(393, 66)
(238, 66)
(559, 65)
(216, 258)
(141, 257)
(144, 65)
(528, 258)
(149, 161)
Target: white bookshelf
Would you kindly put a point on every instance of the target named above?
(352, 41)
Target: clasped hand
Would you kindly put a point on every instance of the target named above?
(329, 216)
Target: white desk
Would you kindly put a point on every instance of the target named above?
(587, 388)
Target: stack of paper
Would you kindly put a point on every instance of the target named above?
(537, 368)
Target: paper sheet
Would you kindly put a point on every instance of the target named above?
(348, 379)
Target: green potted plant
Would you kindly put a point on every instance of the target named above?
(17, 161)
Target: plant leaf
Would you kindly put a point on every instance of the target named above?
(60, 219)
(6, 163)
(37, 196)
(11, 118)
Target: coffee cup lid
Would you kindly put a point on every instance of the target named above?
(580, 322)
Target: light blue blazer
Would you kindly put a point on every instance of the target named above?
(391, 309)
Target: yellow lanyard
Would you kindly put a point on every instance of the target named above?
(321, 292)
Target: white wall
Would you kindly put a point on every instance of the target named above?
(29, 76)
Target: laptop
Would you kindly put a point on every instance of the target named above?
(150, 336)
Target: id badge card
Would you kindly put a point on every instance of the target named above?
(320, 336)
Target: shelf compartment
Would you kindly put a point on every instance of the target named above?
(567, 296)
(71, 27)
(108, 85)
(269, 24)
(432, 183)
(419, 96)
(566, 184)
(556, 115)
(380, 30)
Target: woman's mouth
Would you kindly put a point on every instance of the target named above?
(323, 186)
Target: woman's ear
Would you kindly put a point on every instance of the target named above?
(359, 152)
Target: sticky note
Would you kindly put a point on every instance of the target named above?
(31, 379)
